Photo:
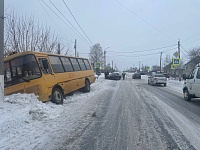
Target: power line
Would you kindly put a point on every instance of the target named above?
(144, 20)
(195, 35)
(68, 20)
(193, 41)
(62, 20)
(145, 50)
(49, 16)
(184, 54)
(77, 22)
(142, 50)
(185, 49)
(140, 55)
(135, 55)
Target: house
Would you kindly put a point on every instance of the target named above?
(191, 65)
(180, 70)
(177, 72)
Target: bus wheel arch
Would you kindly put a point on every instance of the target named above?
(57, 95)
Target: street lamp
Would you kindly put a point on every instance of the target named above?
(104, 57)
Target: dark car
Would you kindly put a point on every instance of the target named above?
(136, 76)
(114, 76)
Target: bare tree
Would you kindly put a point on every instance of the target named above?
(167, 60)
(96, 53)
(155, 68)
(194, 53)
(24, 34)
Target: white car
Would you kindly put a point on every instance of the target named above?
(191, 88)
(157, 79)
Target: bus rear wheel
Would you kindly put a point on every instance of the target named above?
(57, 96)
(87, 86)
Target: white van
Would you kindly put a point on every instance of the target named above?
(191, 88)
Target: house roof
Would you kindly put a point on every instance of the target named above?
(195, 60)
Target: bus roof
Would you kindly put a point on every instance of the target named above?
(10, 57)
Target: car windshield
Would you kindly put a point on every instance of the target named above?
(99, 74)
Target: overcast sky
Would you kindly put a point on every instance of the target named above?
(124, 26)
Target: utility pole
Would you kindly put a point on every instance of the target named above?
(75, 48)
(1, 49)
(179, 49)
(59, 48)
(160, 61)
(104, 57)
(139, 66)
(112, 66)
(179, 53)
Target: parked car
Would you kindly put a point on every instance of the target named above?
(142, 73)
(114, 76)
(166, 75)
(136, 76)
(191, 88)
(157, 79)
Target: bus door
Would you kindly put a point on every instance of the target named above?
(48, 76)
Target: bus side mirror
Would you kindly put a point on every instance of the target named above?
(45, 64)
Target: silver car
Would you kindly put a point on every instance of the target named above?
(157, 79)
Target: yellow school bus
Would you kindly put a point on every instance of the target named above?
(50, 76)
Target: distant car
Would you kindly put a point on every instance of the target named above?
(166, 75)
(136, 76)
(114, 76)
(157, 79)
(142, 73)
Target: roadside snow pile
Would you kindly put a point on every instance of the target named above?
(29, 103)
(26, 123)
(175, 85)
(22, 119)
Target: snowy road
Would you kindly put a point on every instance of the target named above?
(135, 115)
(130, 114)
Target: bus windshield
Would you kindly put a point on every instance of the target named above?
(22, 69)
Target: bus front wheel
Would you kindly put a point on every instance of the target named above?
(57, 96)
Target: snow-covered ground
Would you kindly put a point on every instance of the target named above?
(26, 123)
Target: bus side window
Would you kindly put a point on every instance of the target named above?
(45, 66)
(75, 64)
(87, 64)
(81, 63)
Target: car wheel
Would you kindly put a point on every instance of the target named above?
(57, 96)
(165, 84)
(87, 86)
(187, 95)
